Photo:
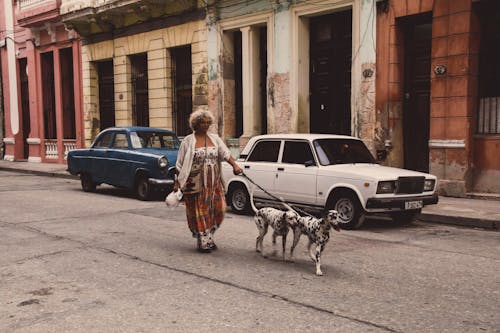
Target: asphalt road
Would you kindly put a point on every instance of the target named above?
(106, 262)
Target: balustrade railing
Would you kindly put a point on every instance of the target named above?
(68, 146)
(51, 152)
(29, 3)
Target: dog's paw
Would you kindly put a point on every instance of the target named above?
(319, 273)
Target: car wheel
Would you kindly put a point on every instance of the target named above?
(87, 184)
(143, 188)
(350, 213)
(405, 217)
(239, 199)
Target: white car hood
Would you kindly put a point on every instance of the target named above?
(369, 171)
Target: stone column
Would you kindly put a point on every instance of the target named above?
(251, 79)
(59, 106)
(34, 141)
(363, 73)
(282, 118)
(214, 79)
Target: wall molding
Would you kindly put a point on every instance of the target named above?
(33, 141)
(440, 143)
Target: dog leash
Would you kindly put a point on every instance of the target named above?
(275, 197)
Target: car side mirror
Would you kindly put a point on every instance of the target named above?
(309, 163)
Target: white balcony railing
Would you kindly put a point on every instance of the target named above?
(23, 4)
(51, 152)
(68, 145)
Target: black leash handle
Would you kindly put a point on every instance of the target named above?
(273, 196)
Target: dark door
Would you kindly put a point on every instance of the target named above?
(183, 100)
(330, 73)
(140, 103)
(68, 97)
(416, 106)
(25, 104)
(48, 96)
(106, 94)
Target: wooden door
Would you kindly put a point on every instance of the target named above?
(416, 106)
(25, 104)
(48, 96)
(140, 102)
(68, 96)
(183, 94)
(330, 73)
(106, 94)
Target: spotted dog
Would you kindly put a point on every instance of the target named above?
(318, 232)
(279, 220)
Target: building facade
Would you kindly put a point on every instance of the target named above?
(437, 100)
(144, 63)
(41, 83)
(413, 79)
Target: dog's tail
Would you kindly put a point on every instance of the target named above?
(287, 206)
(251, 200)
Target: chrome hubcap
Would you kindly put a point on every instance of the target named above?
(239, 199)
(345, 210)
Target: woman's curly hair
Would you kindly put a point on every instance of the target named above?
(198, 116)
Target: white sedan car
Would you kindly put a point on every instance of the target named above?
(320, 171)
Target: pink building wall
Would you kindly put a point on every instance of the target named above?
(37, 30)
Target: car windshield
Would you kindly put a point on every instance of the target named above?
(154, 140)
(342, 151)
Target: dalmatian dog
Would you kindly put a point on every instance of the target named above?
(318, 232)
(279, 220)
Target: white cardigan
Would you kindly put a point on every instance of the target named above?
(186, 156)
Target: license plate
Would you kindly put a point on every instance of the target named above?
(414, 204)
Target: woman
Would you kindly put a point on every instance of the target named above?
(199, 177)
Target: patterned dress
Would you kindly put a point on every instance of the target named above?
(205, 209)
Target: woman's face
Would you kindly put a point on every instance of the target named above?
(203, 125)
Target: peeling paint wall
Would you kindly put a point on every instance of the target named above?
(156, 44)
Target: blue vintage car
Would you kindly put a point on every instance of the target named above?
(137, 158)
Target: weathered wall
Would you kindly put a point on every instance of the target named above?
(156, 43)
(453, 101)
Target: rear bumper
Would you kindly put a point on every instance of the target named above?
(399, 203)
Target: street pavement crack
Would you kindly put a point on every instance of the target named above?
(250, 290)
(208, 278)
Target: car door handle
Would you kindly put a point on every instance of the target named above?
(281, 169)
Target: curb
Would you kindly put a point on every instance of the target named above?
(425, 217)
(40, 173)
(460, 221)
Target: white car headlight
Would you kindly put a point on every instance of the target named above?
(162, 162)
(429, 185)
(386, 187)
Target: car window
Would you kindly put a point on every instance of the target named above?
(120, 141)
(154, 140)
(297, 152)
(104, 141)
(265, 151)
(170, 142)
(342, 151)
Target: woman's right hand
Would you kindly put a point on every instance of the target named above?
(176, 186)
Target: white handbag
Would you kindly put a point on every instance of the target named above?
(173, 199)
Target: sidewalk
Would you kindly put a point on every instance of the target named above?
(469, 212)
